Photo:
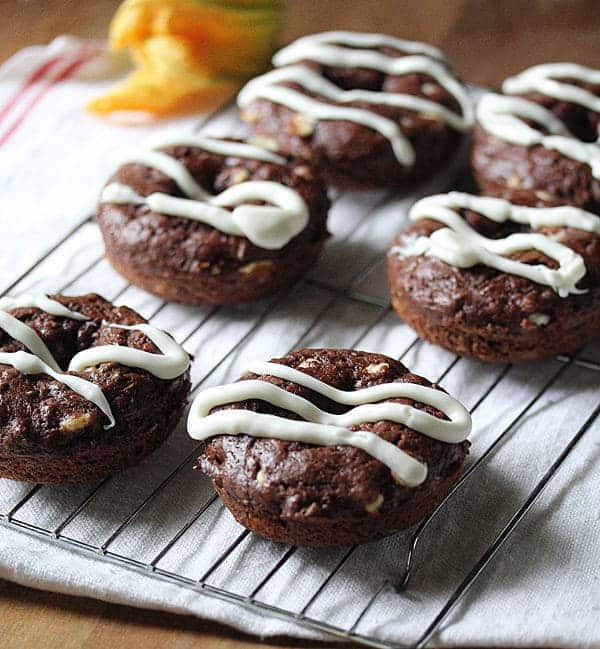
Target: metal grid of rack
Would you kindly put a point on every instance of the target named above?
(342, 303)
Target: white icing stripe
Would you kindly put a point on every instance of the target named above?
(42, 302)
(171, 363)
(318, 110)
(500, 211)
(505, 110)
(269, 226)
(320, 427)
(361, 39)
(460, 245)
(28, 337)
(364, 407)
(325, 49)
(546, 79)
(314, 82)
(121, 194)
(213, 145)
(501, 116)
(30, 364)
(405, 469)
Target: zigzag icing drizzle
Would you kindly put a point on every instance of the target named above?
(325, 48)
(172, 362)
(545, 79)
(326, 429)
(460, 245)
(214, 145)
(503, 116)
(267, 226)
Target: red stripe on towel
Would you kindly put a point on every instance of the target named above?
(65, 74)
(36, 76)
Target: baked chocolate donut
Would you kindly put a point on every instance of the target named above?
(329, 447)
(201, 220)
(369, 110)
(538, 143)
(87, 389)
(496, 281)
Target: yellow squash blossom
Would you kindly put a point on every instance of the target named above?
(189, 54)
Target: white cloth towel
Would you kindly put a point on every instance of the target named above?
(542, 589)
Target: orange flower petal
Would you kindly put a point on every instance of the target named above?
(164, 96)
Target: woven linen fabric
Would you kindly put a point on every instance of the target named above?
(543, 587)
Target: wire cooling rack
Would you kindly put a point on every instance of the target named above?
(129, 519)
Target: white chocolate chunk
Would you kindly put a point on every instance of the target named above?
(375, 506)
(539, 319)
(377, 368)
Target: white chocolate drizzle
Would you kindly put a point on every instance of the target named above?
(269, 226)
(460, 245)
(41, 302)
(214, 145)
(545, 79)
(326, 429)
(358, 40)
(172, 362)
(503, 116)
(327, 48)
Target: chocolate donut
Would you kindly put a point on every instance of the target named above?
(538, 143)
(87, 389)
(329, 447)
(368, 110)
(496, 281)
(200, 220)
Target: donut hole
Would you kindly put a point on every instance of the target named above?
(348, 371)
(582, 122)
(421, 85)
(355, 78)
(493, 230)
(490, 228)
(414, 83)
